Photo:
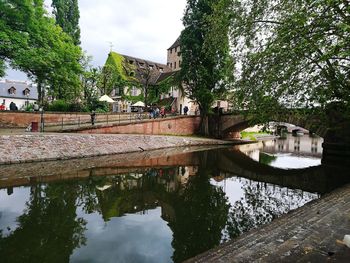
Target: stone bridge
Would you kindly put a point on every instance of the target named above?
(335, 131)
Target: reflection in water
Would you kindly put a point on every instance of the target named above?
(153, 213)
(287, 152)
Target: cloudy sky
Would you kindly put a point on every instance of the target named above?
(139, 28)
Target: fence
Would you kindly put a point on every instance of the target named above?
(76, 122)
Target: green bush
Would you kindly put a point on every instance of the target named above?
(59, 105)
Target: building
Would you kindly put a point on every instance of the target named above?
(17, 92)
(144, 72)
(138, 73)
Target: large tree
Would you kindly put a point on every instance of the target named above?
(205, 51)
(31, 41)
(67, 17)
(293, 54)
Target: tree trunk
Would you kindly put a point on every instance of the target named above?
(204, 125)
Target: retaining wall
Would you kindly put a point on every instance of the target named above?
(183, 125)
(44, 147)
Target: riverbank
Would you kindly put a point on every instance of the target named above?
(47, 147)
(312, 233)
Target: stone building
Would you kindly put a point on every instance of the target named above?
(145, 72)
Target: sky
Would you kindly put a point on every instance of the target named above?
(138, 28)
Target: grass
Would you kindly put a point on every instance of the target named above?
(251, 135)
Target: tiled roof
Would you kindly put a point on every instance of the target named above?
(176, 43)
(165, 75)
(20, 88)
(146, 69)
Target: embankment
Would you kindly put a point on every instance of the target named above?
(45, 147)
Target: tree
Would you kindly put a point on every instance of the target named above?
(292, 54)
(32, 42)
(89, 79)
(67, 17)
(206, 62)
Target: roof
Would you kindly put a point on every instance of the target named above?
(144, 70)
(176, 44)
(20, 87)
(165, 75)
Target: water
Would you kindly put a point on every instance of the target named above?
(161, 206)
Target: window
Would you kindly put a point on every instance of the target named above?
(26, 92)
(161, 70)
(131, 62)
(117, 91)
(175, 49)
(171, 65)
(12, 90)
(142, 65)
(133, 91)
(174, 64)
(171, 51)
(151, 67)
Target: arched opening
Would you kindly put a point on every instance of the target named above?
(278, 144)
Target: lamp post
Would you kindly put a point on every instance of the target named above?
(27, 95)
(41, 119)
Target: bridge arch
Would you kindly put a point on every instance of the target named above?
(232, 125)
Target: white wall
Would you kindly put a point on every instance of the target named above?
(20, 103)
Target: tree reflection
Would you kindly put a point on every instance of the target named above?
(261, 204)
(49, 229)
(201, 211)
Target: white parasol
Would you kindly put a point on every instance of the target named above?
(106, 98)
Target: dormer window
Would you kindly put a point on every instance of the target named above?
(26, 92)
(131, 62)
(141, 65)
(12, 90)
(150, 67)
(161, 70)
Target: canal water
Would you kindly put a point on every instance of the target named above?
(161, 206)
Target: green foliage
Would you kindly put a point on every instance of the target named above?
(133, 99)
(99, 106)
(67, 17)
(58, 105)
(205, 49)
(64, 106)
(31, 41)
(293, 54)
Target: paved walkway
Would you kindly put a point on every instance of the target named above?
(308, 234)
(33, 147)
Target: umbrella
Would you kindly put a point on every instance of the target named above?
(138, 104)
(106, 98)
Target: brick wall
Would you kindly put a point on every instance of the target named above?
(175, 126)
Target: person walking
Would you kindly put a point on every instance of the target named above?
(185, 110)
(93, 117)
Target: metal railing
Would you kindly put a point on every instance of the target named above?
(73, 123)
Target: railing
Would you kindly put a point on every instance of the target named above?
(76, 122)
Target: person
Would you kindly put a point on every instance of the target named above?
(13, 106)
(36, 106)
(93, 117)
(162, 112)
(139, 113)
(156, 115)
(185, 110)
(150, 111)
(2, 106)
